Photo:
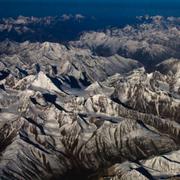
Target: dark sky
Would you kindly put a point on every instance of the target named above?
(143, 1)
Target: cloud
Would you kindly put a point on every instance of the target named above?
(77, 17)
(66, 17)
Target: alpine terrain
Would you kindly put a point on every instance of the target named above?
(105, 106)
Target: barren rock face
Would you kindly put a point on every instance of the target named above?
(66, 113)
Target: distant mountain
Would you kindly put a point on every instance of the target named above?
(41, 29)
(149, 43)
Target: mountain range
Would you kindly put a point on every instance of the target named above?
(104, 106)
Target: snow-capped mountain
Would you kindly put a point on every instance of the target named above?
(149, 43)
(75, 112)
